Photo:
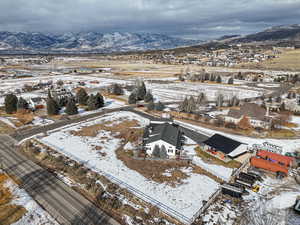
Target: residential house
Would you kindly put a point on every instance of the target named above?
(224, 148)
(61, 93)
(165, 134)
(257, 115)
(36, 103)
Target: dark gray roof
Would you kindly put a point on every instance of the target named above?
(222, 143)
(166, 132)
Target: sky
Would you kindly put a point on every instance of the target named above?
(195, 19)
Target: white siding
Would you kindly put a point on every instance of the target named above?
(171, 149)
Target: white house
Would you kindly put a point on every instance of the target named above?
(36, 103)
(167, 135)
(256, 114)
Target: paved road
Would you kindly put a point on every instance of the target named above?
(65, 205)
(23, 134)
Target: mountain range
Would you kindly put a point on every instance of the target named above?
(275, 34)
(89, 42)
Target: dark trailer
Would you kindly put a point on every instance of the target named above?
(245, 182)
(232, 190)
(248, 176)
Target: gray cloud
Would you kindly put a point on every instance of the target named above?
(188, 18)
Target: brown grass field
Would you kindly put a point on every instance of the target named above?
(9, 213)
(289, 60)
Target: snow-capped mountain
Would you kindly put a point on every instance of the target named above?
(89, 42)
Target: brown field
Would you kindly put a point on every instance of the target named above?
(5, 129)
(213, 160)
(289, 60)
(9, 213)
(155, 169)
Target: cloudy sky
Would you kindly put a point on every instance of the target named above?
(201, 19)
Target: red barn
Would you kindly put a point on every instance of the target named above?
(281, 159)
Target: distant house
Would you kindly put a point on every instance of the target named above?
(256, 114)
(224, 148)
(167, 135)
(36, 103)
(61, 93)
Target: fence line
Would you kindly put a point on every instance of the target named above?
(166, 209)
(206, 205)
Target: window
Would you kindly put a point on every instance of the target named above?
(170, 151)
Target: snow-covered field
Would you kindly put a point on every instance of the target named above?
(35, 215)
(220, 171)
(178, 91)
(186, 198)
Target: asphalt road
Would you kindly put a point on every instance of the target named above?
(23, 134)
(63, 203)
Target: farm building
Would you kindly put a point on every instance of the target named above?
(167, 136)
(224, 148)
(274, 157)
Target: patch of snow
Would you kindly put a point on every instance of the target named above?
(7, 121)
(35, 215)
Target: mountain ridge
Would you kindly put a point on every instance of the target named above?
(89, 41)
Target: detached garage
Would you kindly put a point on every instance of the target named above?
(224, 148)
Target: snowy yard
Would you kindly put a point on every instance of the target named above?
(219, 171)
(178, 91)
(186, 198)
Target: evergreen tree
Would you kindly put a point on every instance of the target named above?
(95, 101)
(156, 152)
(163, 152)
(159, 106)
(132, 99)
(60, 83)
(151, 106)
(82, 97)
(183, 105)
(71, 108)
(191, 106)
(52, 107)
(148, 97)
(141, 90)
(201, 99)
(219, 79)
(230, 80)
(117, 89)
(49, 94)
(22, 104)
(10, 102)
(62, 102)
(234, 101)
(99, 100)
